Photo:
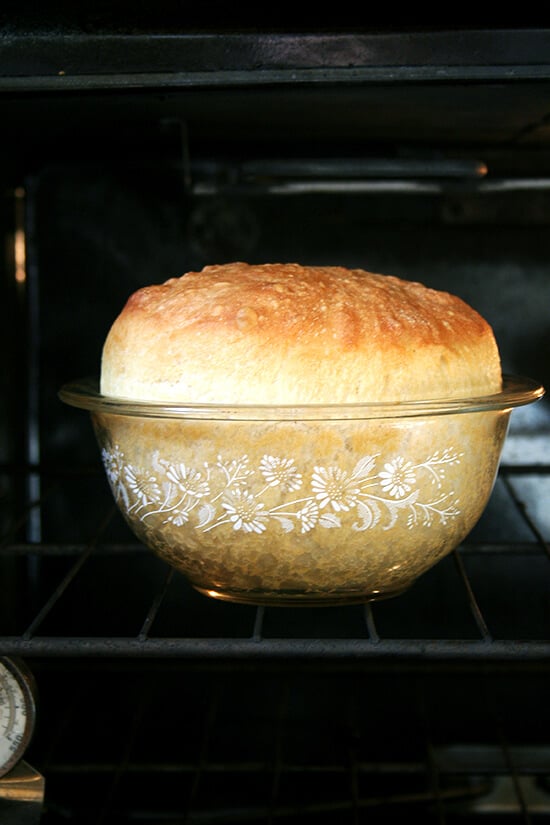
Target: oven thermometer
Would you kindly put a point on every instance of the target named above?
(17, 711)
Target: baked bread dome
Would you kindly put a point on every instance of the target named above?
(281, 333)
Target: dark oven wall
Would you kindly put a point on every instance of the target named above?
(424, 156)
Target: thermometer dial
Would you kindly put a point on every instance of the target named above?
(17, 712)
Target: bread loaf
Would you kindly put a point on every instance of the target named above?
(290, 334)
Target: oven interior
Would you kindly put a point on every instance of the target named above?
(134, 154)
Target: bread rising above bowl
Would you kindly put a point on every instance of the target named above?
(295, 435)
(289, 334)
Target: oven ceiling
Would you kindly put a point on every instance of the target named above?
(461, 91)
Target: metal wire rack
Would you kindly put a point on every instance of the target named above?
(158, 704)
(103, 597)
(286, 745)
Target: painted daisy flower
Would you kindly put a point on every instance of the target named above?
(333, 486)
(281, 472)
(189, 481)
(178, 518)
(245, 512)
(397, 477)
(113, 461)
(308, 516)
(145, 487)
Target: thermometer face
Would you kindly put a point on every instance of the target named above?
(17, 712)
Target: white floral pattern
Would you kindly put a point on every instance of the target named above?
(231, 492)
(397, 477)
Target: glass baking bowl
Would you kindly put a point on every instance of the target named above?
(326, 505)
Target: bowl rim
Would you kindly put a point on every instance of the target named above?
(517, 391)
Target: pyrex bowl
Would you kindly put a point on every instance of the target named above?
(302, 505)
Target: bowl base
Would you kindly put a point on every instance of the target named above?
(298, 598)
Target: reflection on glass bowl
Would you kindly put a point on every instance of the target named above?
(304, 505)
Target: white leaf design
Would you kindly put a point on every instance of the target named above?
(122, 493)
(364, 466)
(370, 514)
(330, 520)
(285, 523)
(206, 514)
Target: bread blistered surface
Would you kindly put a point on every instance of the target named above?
(290, 334)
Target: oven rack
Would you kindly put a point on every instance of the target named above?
(291, 746)
(108, 596)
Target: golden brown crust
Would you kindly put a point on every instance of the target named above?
(291, 334)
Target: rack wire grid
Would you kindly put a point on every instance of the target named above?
(94, 595)
(158, 704)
